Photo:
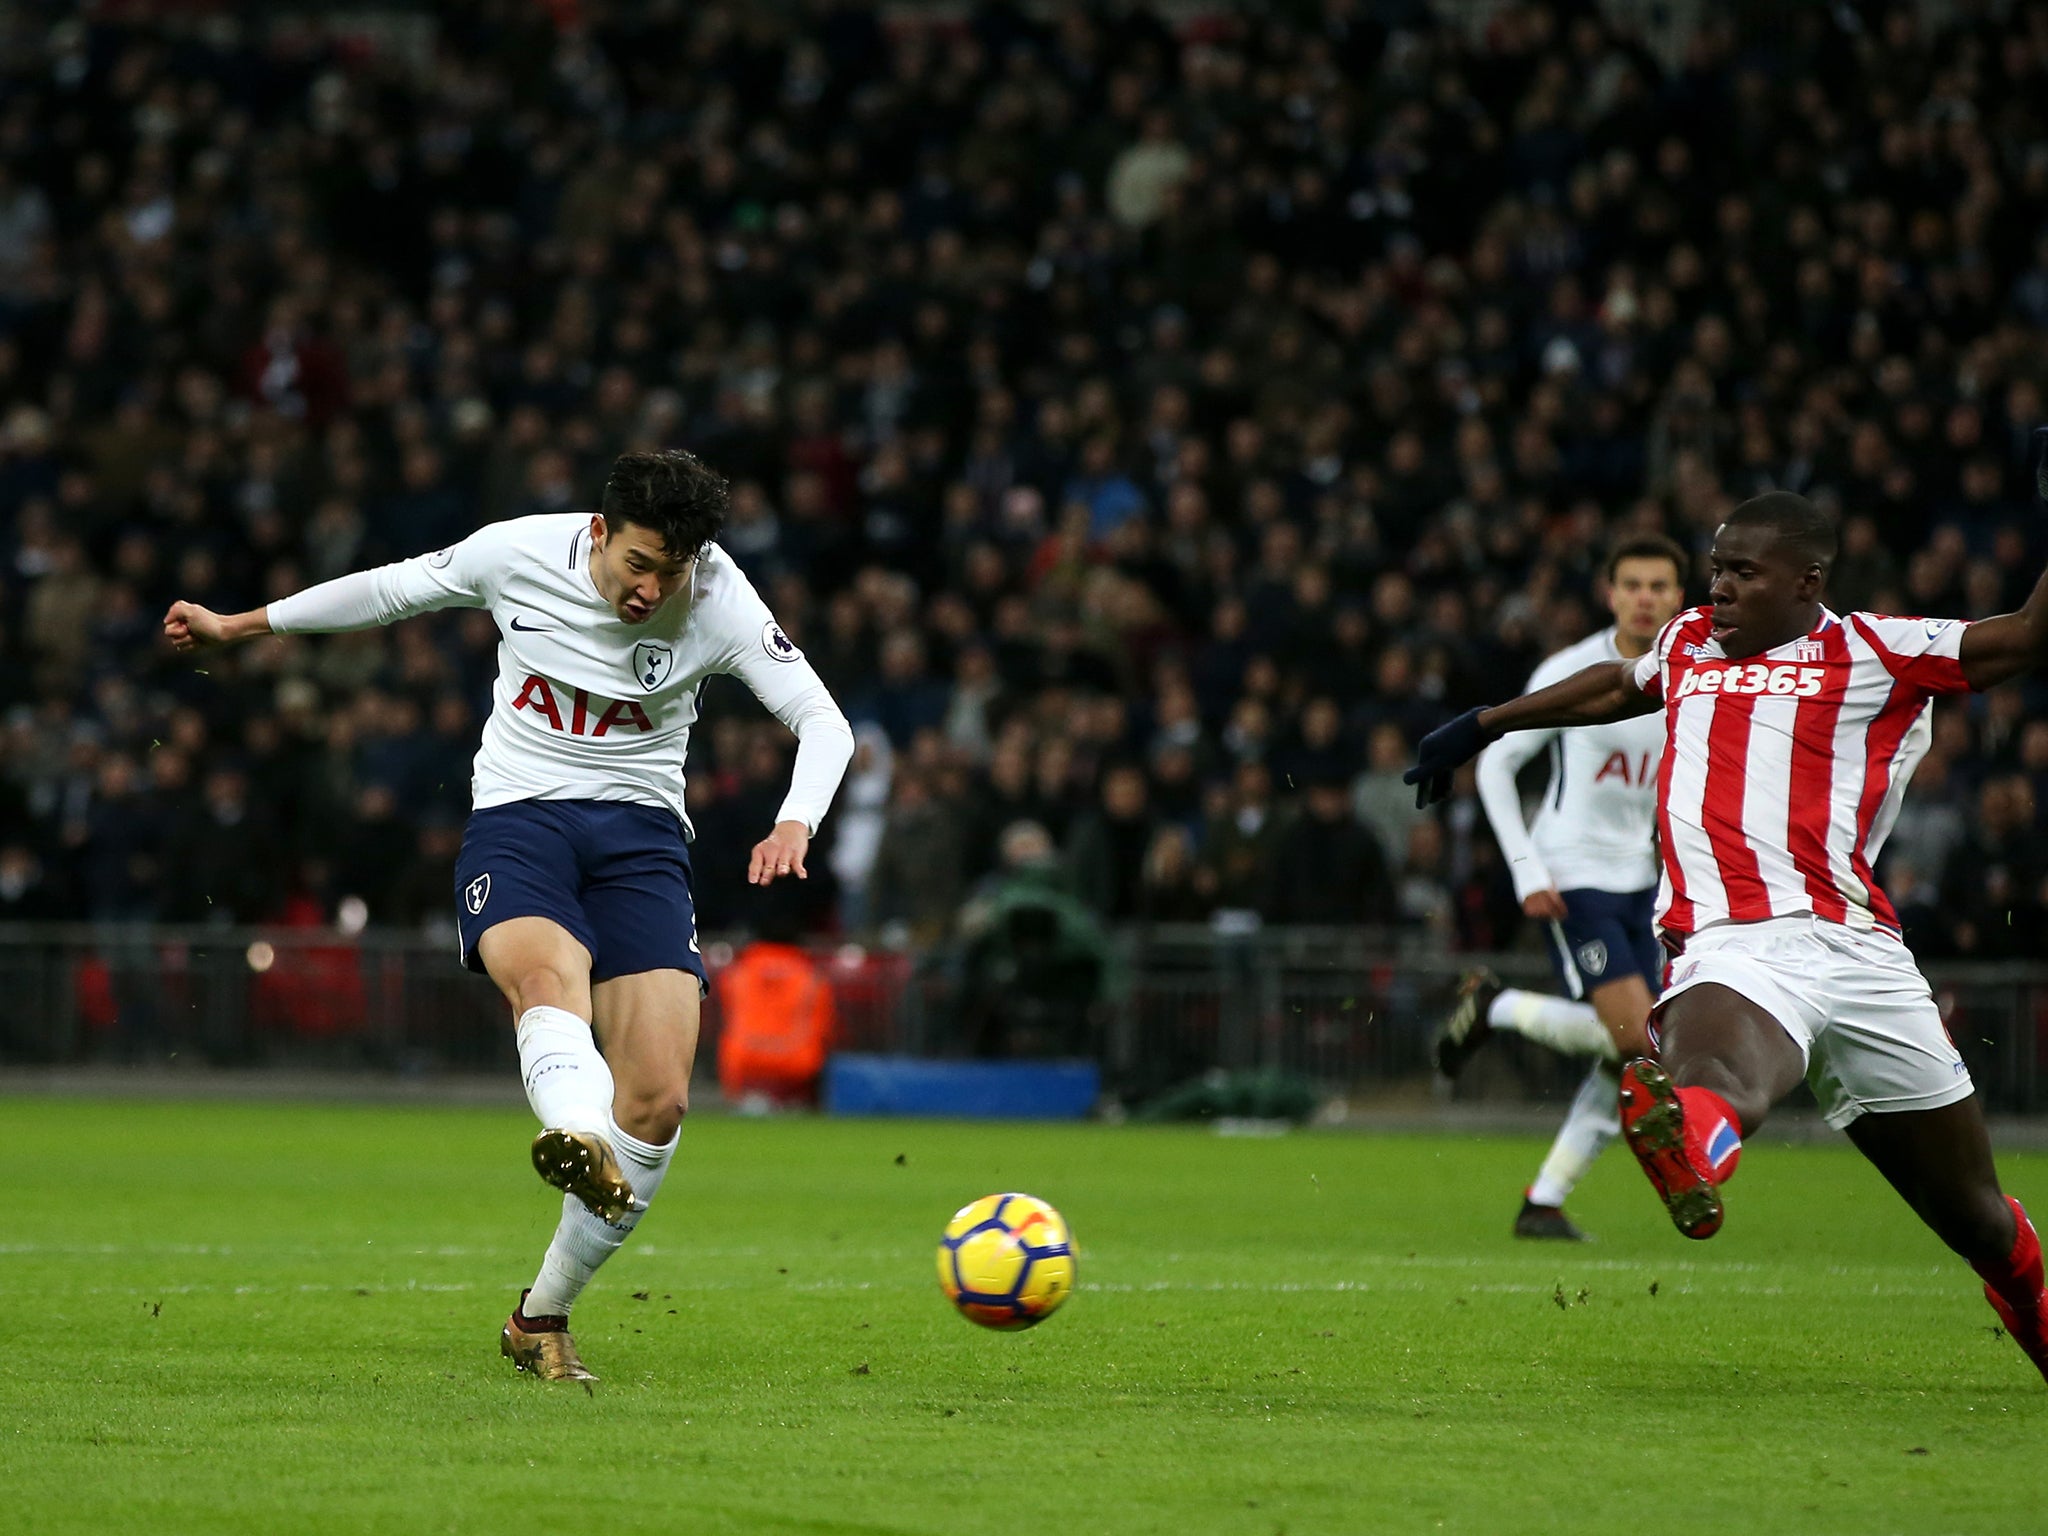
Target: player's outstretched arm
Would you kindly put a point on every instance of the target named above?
(1603, 692)
(2007, 645)
(2003, 647)
(449, 578)
(189, 627)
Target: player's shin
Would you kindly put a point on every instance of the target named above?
(584, 1240)
(2014, 1287)
(1589, 1129)
(567, 1081)
(1558, 1022)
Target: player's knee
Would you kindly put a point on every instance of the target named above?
(652, 1111)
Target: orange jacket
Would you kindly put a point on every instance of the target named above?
(778, 1016)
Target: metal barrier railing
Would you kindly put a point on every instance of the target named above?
(1349, 1009)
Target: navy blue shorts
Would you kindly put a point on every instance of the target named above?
(616, 875)
(1605, 936)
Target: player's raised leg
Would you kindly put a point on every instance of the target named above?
(648, 1022)
(1940, 1161)
(544, 972)
(1724, 1061)
(1483, 1005)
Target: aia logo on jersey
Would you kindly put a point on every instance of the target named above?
(1755, 677)
(587, 714)
(651, 662)
(1617, 766)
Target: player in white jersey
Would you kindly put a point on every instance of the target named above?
(573, 885)
(1586, 869)
(1790, 735)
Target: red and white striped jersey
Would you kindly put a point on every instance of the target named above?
(1783, 771)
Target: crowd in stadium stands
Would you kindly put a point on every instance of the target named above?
(1148, 431)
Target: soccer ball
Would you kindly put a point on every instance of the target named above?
(1006, 1261)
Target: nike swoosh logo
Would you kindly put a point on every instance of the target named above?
(532, 629)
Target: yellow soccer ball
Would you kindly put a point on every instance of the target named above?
(1006, 1261)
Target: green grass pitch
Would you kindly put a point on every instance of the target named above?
(284, 1319)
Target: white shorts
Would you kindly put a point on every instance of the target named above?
(1854, 1003)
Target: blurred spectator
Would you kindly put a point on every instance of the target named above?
(861, 817)
(920, 871)
(1033, 965)
(1241, 841)
(1329, 869)
(1106, 855)
(1993, 883)
(1422, 892)
(1378, 797)
(26, 894)
(219, 862)
(1176, 887)
(1992, 894)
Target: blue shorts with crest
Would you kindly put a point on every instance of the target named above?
(615, 874)
(1605, 936)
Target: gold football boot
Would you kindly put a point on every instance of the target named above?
(550, 1353)
(581, 1163)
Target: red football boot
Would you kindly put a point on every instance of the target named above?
(2014, 1289)
(1687, 1139)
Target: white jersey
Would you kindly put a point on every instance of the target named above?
(1783, 771)
(1595, 827)
(587, 706)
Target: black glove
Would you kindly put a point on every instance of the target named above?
(1443, 751)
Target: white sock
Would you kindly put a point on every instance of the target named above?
(1558, 1022)
(1593, 1121)
(567, 1081)
(583, 1241)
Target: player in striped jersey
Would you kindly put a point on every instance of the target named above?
(1790, 735)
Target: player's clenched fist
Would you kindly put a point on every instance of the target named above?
(781, 852)
(189, 627)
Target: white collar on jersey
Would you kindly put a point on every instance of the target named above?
(1828, 620)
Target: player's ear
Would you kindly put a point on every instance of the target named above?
(597, 530)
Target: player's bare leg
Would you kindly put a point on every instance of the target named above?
(1939, 1160)
(648, 1022)
(1623, 1005)
(1723, 1062)
(1594, 1119)
(544, 973)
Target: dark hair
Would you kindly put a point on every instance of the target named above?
(672, 493)
(1648, 546)
(1798, 523)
